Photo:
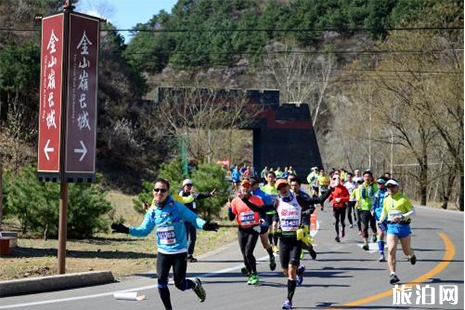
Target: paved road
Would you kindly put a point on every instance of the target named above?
(343, 276)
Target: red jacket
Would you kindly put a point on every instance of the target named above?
(339, 192)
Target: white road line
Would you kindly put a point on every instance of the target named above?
(54, 301)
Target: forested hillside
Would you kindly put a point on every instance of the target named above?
(383, 80)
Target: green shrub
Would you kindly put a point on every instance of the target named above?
(205, 177)
(145, 196)
(171, 171)
(36, 205)
(86, 206)
(27, 200)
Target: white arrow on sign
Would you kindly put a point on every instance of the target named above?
(48, 149)
(83, 151)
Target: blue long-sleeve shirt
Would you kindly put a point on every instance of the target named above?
(267, 199)
(169, 223)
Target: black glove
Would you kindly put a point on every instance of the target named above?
(119, 228)
(210, 226)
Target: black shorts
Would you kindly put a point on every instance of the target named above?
(289, 251)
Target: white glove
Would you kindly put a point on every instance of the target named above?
(257, 228)
(338, 200)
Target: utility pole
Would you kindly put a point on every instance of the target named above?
(63, 217)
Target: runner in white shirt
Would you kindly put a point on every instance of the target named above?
(350, 185)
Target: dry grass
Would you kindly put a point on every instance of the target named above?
(122, 255)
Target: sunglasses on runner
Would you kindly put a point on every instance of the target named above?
(161, 190)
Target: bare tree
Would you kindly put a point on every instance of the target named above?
(409, 91)
(195, 113)
(299, 76)
(435, 81)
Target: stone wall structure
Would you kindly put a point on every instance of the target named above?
(283, 134)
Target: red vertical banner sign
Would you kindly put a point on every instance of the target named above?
(51, 71)
(81, 118)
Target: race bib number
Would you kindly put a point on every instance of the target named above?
(290, 224)
(395, 213)
(166, 235)
(247, 218)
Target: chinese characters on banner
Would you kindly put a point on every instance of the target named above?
(82, 94)
(50, 94)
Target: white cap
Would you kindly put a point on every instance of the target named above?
(392, 182)
(186, 182)
(358, 179)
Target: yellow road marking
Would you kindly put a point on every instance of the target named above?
(448, 255)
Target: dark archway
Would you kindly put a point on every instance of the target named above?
(283, 135)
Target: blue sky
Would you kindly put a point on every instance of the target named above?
(124, 14)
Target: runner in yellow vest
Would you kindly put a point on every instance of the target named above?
(398, 210)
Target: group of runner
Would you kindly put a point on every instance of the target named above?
(377, 205)
(284, 213)
(279, 210)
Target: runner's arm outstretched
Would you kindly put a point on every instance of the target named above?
(260, 209)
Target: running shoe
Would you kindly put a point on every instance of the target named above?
(191, 259)
(351, 226)
(287, 304)
(343, 234)
(413, 259)
(366, 247)
(374, 238)
(253, 279)
(199, 290)
(359, 233)
(381, 258)
(273, 263)
(393, 279)
(312, 253)
(245, 272)
(300, 275)
(337, 239)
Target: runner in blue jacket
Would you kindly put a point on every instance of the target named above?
(167, 216)
(377, 209)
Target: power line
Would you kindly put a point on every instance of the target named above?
(265, 52)
(389, 72)
(225, 64)
(261, 30)
(301, 52)
(287, 30)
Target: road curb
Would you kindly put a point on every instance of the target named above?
(54, 283)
